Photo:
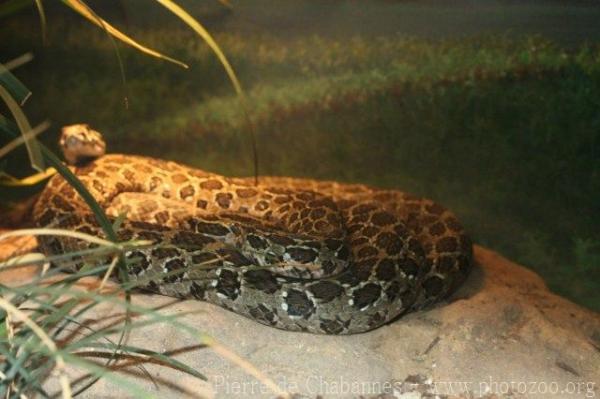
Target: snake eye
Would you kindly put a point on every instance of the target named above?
(72, 141)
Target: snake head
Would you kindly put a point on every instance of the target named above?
(81, 144)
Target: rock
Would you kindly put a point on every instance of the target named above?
(13, 247)
(502, 335)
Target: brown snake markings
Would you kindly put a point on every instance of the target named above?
(295, 254)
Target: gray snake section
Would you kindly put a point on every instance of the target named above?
(295, 254)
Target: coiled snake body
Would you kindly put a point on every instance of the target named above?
(296, 254)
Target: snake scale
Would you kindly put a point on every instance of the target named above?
(295, 254)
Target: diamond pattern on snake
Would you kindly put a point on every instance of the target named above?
(295, 254)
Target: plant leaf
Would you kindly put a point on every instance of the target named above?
(17, 62)
(35, 155)
(15, 88)
(11, 181)
(21, 139)
(203, 33)
(164, 358)
(80, 7)
(40, 8)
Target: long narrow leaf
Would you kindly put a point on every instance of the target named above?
(42, 14)
(11, 131)
(17, 62)
(11, 181)
(105, 372)
(16, 368)
(80, 7)
(101, 23)
(57, 232)
(47, 343)
(203, 33)
(17, 90)
(22, 139)
(35, 156)
(163, 358)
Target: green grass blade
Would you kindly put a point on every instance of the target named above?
(17, 370)
(42, 14)
(103, 372)
(19, 92)
(9, 129)
(100, 22)
(91, 340)
(203, 33)
(80, 7)
(35, 156)
(17, 62)
(14, 143)
(94, 296)
(161, 358)
(101, 217)
(60, 314)
(47, 345)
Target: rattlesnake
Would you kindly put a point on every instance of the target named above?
(296, 254)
